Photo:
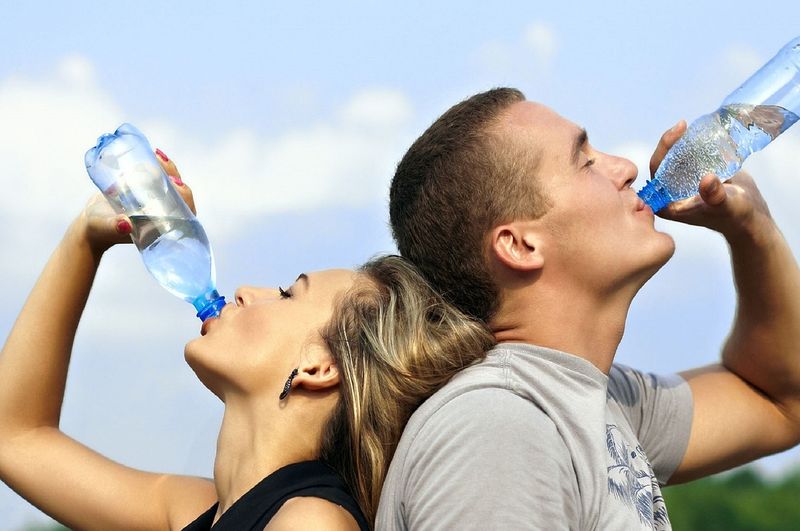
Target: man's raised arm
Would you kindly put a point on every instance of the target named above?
(748, 405)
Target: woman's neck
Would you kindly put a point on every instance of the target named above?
(255, 440)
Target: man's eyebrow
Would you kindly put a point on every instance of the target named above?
(578, 144)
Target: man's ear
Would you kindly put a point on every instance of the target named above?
(517, 246)
(317, 372)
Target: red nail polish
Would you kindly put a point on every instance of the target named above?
(177, 180)
(123, 226)
(162, 155)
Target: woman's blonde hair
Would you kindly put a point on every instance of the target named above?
(395, 342)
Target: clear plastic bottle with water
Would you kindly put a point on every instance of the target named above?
(752, 116)
(173, 244)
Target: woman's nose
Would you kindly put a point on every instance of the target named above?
(245, 295)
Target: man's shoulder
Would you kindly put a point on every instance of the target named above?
(630, 387)
(489, 437)
(472, 415)
(483, 396)
(475, 406)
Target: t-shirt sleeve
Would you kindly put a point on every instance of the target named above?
(659, 409)
(489, 459)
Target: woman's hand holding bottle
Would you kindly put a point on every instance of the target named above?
(104, 228)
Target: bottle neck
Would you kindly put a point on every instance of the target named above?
(209, 305)
(655, 195)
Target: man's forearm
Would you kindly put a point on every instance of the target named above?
(764, 345)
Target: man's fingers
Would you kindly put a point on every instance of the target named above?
(712, 191)
(675, 210)
(667, 140)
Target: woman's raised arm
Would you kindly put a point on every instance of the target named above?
(62, 477)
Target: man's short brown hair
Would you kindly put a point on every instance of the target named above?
(458, 180)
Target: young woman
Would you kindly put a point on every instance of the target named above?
(318, 381)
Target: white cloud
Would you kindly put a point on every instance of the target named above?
(47, 125)
(540, 39)
(377, 108)
(347, 159)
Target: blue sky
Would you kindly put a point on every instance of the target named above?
(287, 119)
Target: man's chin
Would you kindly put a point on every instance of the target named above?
(662, 251)
(668, 243)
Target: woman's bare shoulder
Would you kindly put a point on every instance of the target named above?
(307, 512)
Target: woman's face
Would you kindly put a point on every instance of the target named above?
(255, 343)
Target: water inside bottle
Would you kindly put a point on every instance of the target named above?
(718, 143)
(177, 253)
(753, 127)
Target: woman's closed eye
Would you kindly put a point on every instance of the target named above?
(284, 293)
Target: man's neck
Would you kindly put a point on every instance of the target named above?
(587, 326)
(252, 445)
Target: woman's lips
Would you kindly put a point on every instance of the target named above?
(206, 324)
(204, 328)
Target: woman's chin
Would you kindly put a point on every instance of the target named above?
(191, 352)
(198, 362)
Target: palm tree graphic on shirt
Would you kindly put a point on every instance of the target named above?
(630, 480)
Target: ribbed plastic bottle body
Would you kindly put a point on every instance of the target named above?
(173, 244)
(749, 119)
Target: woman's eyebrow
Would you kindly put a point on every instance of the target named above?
(302, 276)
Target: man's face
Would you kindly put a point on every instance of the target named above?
(597, 231)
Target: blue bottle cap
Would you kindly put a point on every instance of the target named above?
(655, 195)
(209, 305)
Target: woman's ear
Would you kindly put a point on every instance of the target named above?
(317, 372)
(517, 246)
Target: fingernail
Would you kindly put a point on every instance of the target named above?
(124, 226)
(177, 180)
(161, 154)
(676, 126)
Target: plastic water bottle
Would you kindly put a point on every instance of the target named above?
(750, 118)
(172, 242)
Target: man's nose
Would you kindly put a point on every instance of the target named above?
(624, 171)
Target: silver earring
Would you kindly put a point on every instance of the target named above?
(288, 386)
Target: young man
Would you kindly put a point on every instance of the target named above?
(511, 213)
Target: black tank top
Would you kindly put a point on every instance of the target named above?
(256, 508)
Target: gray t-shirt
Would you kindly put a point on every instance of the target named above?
(533, 438)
